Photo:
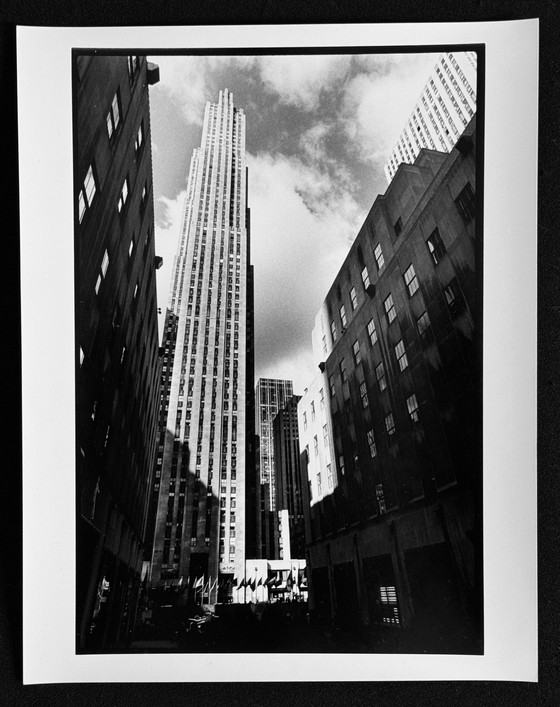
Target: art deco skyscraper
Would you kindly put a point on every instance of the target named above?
(201, 466)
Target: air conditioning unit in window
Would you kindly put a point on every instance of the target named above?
(370, 289)
(322, 366)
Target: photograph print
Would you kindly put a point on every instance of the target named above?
(278, 289)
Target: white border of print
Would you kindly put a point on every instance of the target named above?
(45, 148)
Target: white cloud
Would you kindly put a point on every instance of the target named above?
(299, 80)
(377, 103)
(166, 239)
(296, 252)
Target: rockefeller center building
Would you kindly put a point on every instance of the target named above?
(391, 428)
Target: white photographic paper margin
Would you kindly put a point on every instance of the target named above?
(47, 262)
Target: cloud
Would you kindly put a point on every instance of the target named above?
(378, 100)
(193, 80)
(300, 80)
(168, 225)
(301, 226)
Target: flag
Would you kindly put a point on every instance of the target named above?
(259, 582)
(199, 582)
(241, 584)
(253, 585)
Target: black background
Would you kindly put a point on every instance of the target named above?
(232, 12)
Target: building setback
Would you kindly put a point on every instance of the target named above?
(393, 454)
(271, 394)
(445, 107)
(201, 476)
(117, 341)
(289, 487)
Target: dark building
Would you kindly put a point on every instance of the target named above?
(117, 341)
(270, 396)
(289, 498)
(394, 463)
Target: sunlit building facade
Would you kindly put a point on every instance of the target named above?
(391, 427)
(445, 107)
(207, 380)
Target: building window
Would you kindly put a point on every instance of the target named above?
(388, 598)
(132, 66)
(390, 309)
(319, 484)
(304, 420)
(341, 464)
(123, 196)
(380, 376)
(412, 405)
(400, 353)
(330, 480)
(454, 297)
(343, 316)
(139, 141)
(316, 445)
(424, 328)
(435, 246)
(87, 192)
(398, 226)
(380, 260)
(364, 395)
(390, 424)
(371, 443)
(331, 386)
(103, 273)
(372, 333)
(354, 298)
(465, 203)
(356, 352)
(325, 350)
(365, 278)
(322, 399)
(343, 374)
(325, 436)
(333, 330)
(411, 280)
(113, 116)
(380, 498)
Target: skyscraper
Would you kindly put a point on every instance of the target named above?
(289, 485)
(117, 341)
(270, 396)
(201, 465)
(445, 107)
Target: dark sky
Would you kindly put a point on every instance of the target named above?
(319, 129)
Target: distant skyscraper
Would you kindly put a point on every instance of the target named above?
(445, 107)
(201, 465)
(289, 485)
(271, 395)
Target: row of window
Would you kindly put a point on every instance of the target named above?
(466, 205)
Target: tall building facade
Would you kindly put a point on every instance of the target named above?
(289, 486)
(117, 341)
(271, 394)
(206, 405)
(394, 463)
(445, 107)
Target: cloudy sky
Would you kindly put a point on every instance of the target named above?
(319, 129)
